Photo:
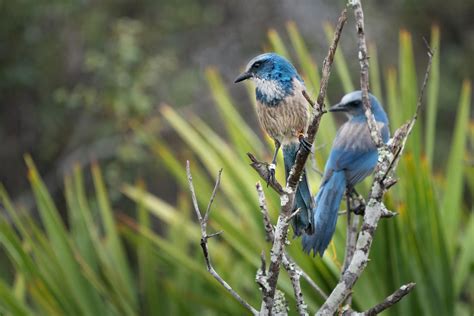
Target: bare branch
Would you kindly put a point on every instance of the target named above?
(364, 72)
(267, 223)
(193, 193)
(295, 275)
(430, 53)
(358, 203)
(287, 198)
(388, 159)
(288, 263)
(318, 111)
(281, 305)
(213, 195)
(262, 170)
(276, 253)
(390, 300)
(205, 237)
(351, 238)
(386, 213)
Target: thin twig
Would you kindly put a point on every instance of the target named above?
(308, 98)
(385, 213)
(351, 239)
(430, 53)
(307, 278)
(390, 300)
(193, 193)
(211, 200)
(318, 111)
(205, 237)
(293, 214)
(407, 127)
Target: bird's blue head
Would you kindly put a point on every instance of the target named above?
(352, 105)
(273, 76)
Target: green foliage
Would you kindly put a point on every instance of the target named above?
(75, 74)
(102, 263)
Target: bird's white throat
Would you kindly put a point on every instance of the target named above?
(269, 88)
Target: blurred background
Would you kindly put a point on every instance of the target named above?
(139, 87)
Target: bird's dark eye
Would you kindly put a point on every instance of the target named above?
(256, 64)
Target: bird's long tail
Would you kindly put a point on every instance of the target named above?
(325, 214)
(302, 221)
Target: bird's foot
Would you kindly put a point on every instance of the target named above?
(304, 143)
(271, 174)
(359, 210)
(356, 203)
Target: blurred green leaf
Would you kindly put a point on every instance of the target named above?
(375, 80)
(277, 43)
(451, 207)
(408, 93)
(87, 300)
(432, 95)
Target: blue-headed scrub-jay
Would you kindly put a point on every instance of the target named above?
(283, 113)
(353, 157)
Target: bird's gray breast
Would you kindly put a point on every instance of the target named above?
(355, 136)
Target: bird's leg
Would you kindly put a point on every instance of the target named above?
(304, 143)
(272, 165)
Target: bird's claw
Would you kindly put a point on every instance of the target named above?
(304, 143)
(271, 174)
(359, 210)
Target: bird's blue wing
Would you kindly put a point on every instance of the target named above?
(353, 151)
(357, 164)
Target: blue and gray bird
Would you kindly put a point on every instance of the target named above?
(353, 157)
(283, 113)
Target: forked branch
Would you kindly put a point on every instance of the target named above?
(203, 220)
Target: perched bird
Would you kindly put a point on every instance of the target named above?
(353, 157)
(282, 111)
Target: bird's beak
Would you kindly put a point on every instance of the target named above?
(243, 76)
(340, 107)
